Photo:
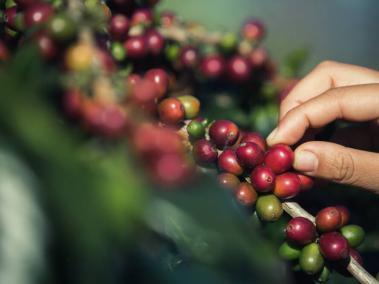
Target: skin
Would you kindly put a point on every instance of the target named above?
(334, 91)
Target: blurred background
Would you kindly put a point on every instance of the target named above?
(342, 30)
(75, 208)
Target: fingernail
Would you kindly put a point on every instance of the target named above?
(272, 136)
(305, 161)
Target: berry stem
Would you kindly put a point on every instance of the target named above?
(359, 273)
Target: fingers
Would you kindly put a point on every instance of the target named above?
(339, 164)
(325, 76)
(354, 103)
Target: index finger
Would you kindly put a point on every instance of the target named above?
(327, 75)
(354, 103)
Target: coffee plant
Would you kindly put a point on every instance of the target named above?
(127, 73)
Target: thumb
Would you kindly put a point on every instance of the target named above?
(339, 164)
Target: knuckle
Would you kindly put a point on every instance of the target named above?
(343, 168)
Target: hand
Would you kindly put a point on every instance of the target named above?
(334, 91)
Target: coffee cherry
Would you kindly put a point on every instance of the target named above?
(38, 13)
(288, 251)
(79, 57)
(254, 137)
(47, 47)
(4, 52)
(228, 181)
(167, 18)
(253, 30)
(354, 234)
(142, 91)
(245, 194)
(345, 215)
(189, 57)
(228, 42)
(300, 231)
(227, 162)
(118, 51)
(306, 182)
(191, 106)
(279, 158)
(171, 111)
(195, 130)
(223, 133)
(334, 246)
(155, 42)
(238, 69)
(262, 179)
(204, 152)
(171, 170)
(328, 219)
(258, 57)
(341, 265)
(249, 155)
(323, 276)
(287, 185)
(269, 208)
(212, 67)
(118, 27)
(61, 27)
(160, 79)
(135, 47)
(10, 16)
(142, 17)
(311, 260)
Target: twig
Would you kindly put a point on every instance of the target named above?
(359, 273)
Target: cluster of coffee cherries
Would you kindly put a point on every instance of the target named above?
(328, 244)
(259, 176)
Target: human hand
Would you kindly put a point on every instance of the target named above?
(334, 91)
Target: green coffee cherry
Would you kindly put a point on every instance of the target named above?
(269, 208)
(61, 27)
(229, 42)
(118, 51)
(195, 129)
(289, 252)
(354, 234)
(311, 260)
(172, 52)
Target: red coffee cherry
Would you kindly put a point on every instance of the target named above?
(253, 30)
(171, 111)
(279, 158)
(258, 57)
(306, 182)
(334, 246)
(249, 154)
(212, 67)
(38, 13)
(160, 79)
(228, 181)
(254, 137)
(287, 185)
(223, 133)
(155, 42)
(345, 215)
(341, 266)
(204, 152)
(246, 195)
(328, 219)
(227, 162)
(262, 179)
(189, 57)
(300, 231)
(238, 69)
(135, 47)
(118, 27)
(142, 17)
